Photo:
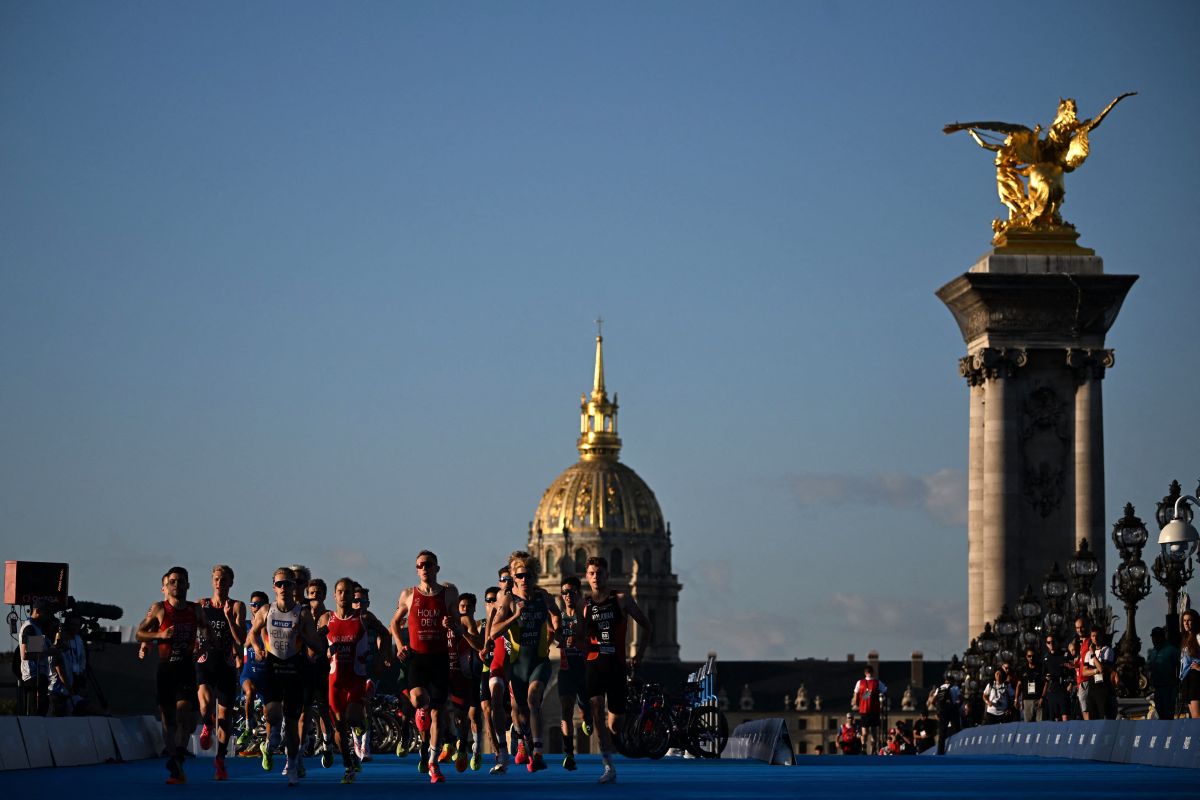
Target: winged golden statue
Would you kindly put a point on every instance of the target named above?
(1035, 203)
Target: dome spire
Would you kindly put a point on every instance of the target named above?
(597, 416)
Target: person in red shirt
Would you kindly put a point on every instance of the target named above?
(868, 699)
(425, 609)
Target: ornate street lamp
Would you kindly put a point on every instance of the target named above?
(1029, 612)
(1006, 632)
(988, 646)
(972, 660)
(1054, 589)
(955, 671)
(1130, 584)
(1173, 566)
(1082, 567)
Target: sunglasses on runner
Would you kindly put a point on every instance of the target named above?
(521, 576)
(282, 584)
(427, 565)
(489, 599)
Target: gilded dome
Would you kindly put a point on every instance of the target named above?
(598, 494)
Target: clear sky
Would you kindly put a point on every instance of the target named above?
(315, 282)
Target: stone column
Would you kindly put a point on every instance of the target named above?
(1089, 367)
(975, 572)
(1001, 463)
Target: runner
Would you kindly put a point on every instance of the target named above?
(173, 623)
(485, 675)
(253, 675)
(317, 695)
(465, 671)
(279, 634)
(530, 618)
(216, 663)
(424, 610)
(572, 669)
(605, 619)
(349, 632)
(498, 678)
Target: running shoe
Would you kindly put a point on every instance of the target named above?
(476, 762)
(293, 779)
(243, 740)
(423, 761)
(610, 774)
(499, 768)
(205, 737)
(586, 727)
(327, 757)
(460, 761)
(569, 763)
(219, 771)
(287, 765)
(401, 749)
(175, 770)
(447, 753)
(435, 774)
(349, 775)
(266, 758)
(521, 757)
(537, 763)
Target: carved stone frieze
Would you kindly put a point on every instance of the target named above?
(991, 363)
(1043, 411)
(1045, 486)
(1089, 364)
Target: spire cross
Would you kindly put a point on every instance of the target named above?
(599, 326)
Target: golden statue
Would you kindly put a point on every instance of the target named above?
(1023, 153)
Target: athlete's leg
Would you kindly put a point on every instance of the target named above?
(534, 703)
(499, 717)
(204, 694)
(567, 701)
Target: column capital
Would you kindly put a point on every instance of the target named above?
(1088, 363)
(992, 363)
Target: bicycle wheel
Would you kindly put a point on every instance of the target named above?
(656, 735)
(707, 732)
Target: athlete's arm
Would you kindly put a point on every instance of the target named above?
(635, 611)
(308, 632)
(553, 615)
(235, 614)
(255, 635)
(148, 628)
(398, 621)
(470, 632)
(507, 612)
(450, 621)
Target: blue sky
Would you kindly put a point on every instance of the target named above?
(315, 282)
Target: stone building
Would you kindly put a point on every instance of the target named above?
(601, 507)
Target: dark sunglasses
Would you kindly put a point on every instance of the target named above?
(427, 565)
(282, 584)
(521, 576)
(257, 604)
(361, 601)
(489, 599)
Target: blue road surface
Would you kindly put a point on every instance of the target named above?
(845, 778)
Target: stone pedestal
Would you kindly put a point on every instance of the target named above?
(1034, 324)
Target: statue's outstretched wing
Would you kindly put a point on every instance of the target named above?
(998, 127)
(1077, 150)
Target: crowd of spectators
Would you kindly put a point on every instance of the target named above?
(51, 663)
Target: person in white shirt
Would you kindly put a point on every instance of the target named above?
(35, 666)
(1097, 669)
(998, 695)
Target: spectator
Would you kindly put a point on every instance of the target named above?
(1056, 677)
(59, 678)
(848, 741)
(1097, 671)
(925, 731)
(1030, 687)
(868, 699)
(1162, 662)
(35, 668)
(998, 696)
(1082, 644)
(75, 658)
(947, 701)
(1189, 663)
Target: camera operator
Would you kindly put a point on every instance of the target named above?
(35, 667)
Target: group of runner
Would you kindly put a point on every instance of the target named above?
(459, 673)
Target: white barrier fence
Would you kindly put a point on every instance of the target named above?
(1160, 743)
(32, 742)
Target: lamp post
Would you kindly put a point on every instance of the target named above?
(1130, 584)
(1173, 566)
(1006, 633)
(1082, 567)
(1054, 589)
(1029, 612)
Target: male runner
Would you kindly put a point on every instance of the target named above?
(317, 695)
(501, 697)
(279, 634)
(485, 676)
(173, 623)
(572, 669)
(530, 618)
(465, 671)
(605, 617)
(349, 632)
(425, 610)
(216, 663)
(360, 737)
(253, 672)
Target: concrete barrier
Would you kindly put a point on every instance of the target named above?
(130, 737)
(71, 741)
(102, 738)
(37, 745)
(1161, 743)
